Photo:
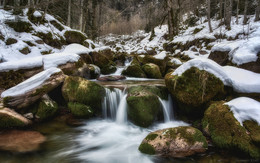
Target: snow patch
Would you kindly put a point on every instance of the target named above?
(30, 83)
(244, 109)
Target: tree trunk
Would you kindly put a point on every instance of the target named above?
(81, 15)
(237, 11)
(228, 14)
(208, 16)
(170, 18)
(94, 19)
(69, 14)
(245, 12)
(257, 11)
(221, 10)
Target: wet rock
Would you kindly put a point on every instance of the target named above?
(174, 142)
(106, 65)
(193, 89)
(152, 71)
(161, 63)
(221, 57)
(144, 106)
(80, 90)
(112, 78)
(10, 119)
(80, 110)
(227, 133)
(21, 141)
(74, 37)
(134, 70)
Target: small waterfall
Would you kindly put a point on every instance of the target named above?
(121, 116)
(167, 109)
(113, 101)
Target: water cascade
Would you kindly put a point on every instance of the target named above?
(167, 106)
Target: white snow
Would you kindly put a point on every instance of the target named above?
(37, 14)
(76, 49)
(30, 83)
(245, 108)
(56, 59)
(161, 55)
(176, 61)
(241, 80)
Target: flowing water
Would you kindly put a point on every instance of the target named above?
(112, 139)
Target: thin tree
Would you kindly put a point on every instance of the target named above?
(228, 14)
(237, 11)
(81, 17)
(257, 11)
(208, 16)
(245, 12)
(69, 14)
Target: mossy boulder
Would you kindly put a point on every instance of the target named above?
(94, 71)
(57, 25)
(227, 133)
(39, 19)
(74, 37)
(49, 39)
(134, 70)
(25, 50)
(144, 106)
(77, 89)
(106, 65)
(46, 108)
(20, 26)
(152, 71)
(193, 89)
(162, 63)
(174, 142)
(80, 110)
(11, 119)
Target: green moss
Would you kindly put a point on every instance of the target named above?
(46, 52)
(80, 110)
(254, 130)
(10, 79)
(152, 71)
(134, 70)
(197, 30)
(143, 107)
(151, 137)
(160, 91)
(147, 149)
(74, 37)
(46, 109)
(10, 122)
(20, 26)
(57, 25)
(106, 65)
(76, 89)
(29, 43)
(25, 50)
(193, 89)
(33, 19)
(226, 132)
(48, 39)
(10, 41)
(190, 134)
(161, 63)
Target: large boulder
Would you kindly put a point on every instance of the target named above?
(21, 141)
(76, 89)
(134, 70)
(174, 142)
(46, 108)
(162, 63)
(31, 90)
(152, 71)
(193, 89)
(220, 56)
(10, 119)
(106, 65)
(227, 133)
(74, 37)
(144, 106)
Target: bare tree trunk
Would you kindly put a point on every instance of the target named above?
(208, 15)
(237, 11)
(221, 10)
(257, 11)
(81, 15)
(69, 14)
(228, 14)
(245, 12)
(94, 19)
(169, 5)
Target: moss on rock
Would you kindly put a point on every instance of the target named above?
(10, 41)
(75, 37)
(161, 63)
(193, 89)
(20, 26)
(77, 89)
(46, 109)
(134, 70)
(144, 106)
(226, 132)
(152, 71)
(80, 110)
(174, 142)
(48, 38)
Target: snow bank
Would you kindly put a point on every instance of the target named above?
(176, 61)
(244, 109)
(21, 64)
(241, 80)
(56, 59)
(161, 55)
(76, 49)
(30, 83)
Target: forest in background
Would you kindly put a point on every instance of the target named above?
(100, 17)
